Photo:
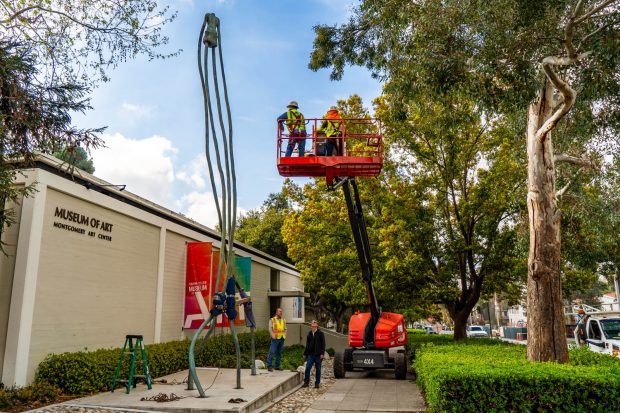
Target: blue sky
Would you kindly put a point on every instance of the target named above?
(154, 111)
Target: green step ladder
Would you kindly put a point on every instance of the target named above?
(132, 349)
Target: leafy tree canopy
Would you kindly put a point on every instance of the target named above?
(76, 41)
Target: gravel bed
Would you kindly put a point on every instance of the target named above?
(76, 409)
(303, 398)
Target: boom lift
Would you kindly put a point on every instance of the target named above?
(371, 334)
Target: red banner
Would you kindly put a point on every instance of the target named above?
(197, 284)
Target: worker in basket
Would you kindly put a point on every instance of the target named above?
(331, 128)
(296, 125)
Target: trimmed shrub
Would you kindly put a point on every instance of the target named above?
(29, 397)
(474, 376)
(331, 351)
(292, 357)
(416, 331)
(89, 372)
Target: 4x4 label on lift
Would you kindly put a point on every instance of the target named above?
(369, 359)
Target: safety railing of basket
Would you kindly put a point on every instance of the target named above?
(353, 137)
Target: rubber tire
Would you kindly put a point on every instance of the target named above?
(339, 370)
(348, 359)
(400, 366)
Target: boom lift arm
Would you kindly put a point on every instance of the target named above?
(360, 236)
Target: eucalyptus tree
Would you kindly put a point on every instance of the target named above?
(557, 58)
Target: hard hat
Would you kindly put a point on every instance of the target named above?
(293, 104)
(333, 108)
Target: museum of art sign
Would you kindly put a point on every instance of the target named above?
(82, 224)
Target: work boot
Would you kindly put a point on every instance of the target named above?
(305, 385)
(269, 369)
(278, 368)
(316, 386)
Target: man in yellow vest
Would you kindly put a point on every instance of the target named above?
(295, 123)
(277, 329)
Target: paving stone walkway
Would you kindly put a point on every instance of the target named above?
(358, 393)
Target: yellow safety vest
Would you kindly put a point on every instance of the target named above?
(295, 120)
(333, 125)
(278, 327)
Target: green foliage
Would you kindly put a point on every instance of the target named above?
(262, 228)
(458, 378)
(33, 117)
(292, 357)
(416, 331)
(29, 397)
(331, 351)
(76, 157)
(102, 34)
(89, 372)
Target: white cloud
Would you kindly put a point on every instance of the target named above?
(194, 173)
(144, 165)
(135, 110)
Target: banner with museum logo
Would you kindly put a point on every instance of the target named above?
(201, 277)
(198, 293)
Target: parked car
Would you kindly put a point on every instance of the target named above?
(430, 330)
(476, 331)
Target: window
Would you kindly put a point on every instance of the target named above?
(611, 328)
(594, 330)
(274, 284)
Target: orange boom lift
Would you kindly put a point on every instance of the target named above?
(359, 153)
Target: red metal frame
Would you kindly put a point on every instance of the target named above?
(361, 142)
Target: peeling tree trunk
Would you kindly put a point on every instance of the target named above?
(546, 339)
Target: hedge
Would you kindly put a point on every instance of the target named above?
(84, 372)
(493, 376)
(29, 397)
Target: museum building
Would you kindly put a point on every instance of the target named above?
(87, 263)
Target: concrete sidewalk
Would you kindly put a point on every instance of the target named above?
(370, 392)
(219, 388)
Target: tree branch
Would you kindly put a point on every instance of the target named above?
(561, 157)
(74, 20)
(582, 41)
(593, 10)
(567, 92)
(561, 192)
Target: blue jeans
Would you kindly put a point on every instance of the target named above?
(275, 348)
(316, 360)
(301, 143)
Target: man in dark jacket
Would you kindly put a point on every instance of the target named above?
(314, 353)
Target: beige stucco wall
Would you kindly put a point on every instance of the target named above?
(260, 302)
(174, 286)
(7, 265)
(92, 290)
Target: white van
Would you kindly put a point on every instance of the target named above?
(600, 331)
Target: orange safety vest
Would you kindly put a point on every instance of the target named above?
(278, 327)
(333, 127)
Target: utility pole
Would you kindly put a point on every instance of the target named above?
(617, 289)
